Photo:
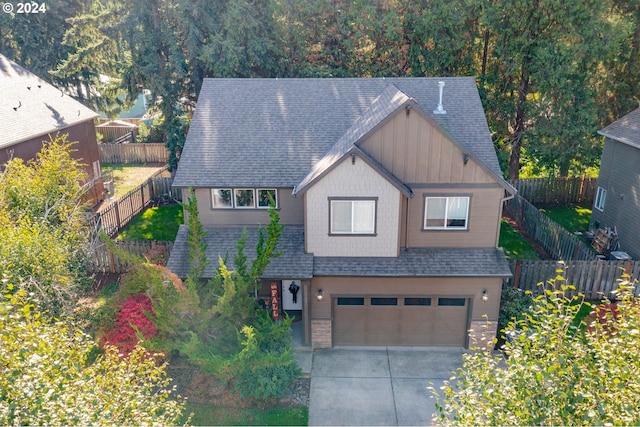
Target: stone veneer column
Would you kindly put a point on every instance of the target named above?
(482, 333)
(321, 333)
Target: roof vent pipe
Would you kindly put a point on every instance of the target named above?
(440, 109)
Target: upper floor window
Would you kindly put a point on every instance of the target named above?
(352, 216)
(446, 213)
(243, 198)
(601, 197)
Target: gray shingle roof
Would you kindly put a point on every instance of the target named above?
(272, 132)
(295, 264)
(422, 262)
(625, 130)
(31, 107)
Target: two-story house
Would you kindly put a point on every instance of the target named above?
(390, 192)
(33, 111)
(617, 201)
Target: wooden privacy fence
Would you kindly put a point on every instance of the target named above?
(594, 279)
(121, 212)
(103, 260)
(559, 243)
(556, 190)
(152, 152)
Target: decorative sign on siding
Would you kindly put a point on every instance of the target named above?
(275, 300)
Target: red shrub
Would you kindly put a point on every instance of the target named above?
(132, 316)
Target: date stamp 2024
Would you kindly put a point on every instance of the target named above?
(25, 8)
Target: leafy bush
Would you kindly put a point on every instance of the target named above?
(514, 305)
(263, 375)
(132, 320)
(50, 375)
(558, 372)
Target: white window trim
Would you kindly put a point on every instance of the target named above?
(352, 233)
(601, 199)
(213, 199)
(257, 198)
(445, 226)
(235, 205)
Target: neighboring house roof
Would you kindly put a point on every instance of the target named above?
(296, 264)
(625, 130)
(286, 132)
(31, 107)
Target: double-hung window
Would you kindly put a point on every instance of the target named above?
(446, 213)
(601, 197)
(352, 216)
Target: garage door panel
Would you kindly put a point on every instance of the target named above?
(382, 326)
(423, 321)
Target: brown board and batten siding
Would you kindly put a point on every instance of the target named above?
(619, 176)
(485, 206)
(290, 209)
(420, 155)
(415, 151)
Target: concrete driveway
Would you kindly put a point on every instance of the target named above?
(378, 386)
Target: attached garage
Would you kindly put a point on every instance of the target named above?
(400, 320)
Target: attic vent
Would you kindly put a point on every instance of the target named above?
(439, 109)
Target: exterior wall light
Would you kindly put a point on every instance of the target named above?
(319, 296)
(485, 295)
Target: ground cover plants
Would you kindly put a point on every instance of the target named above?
(571, 217)
(513, 244)
(156, 223)
(127, 177)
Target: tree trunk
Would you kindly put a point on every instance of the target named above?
(519, 129)
(485, 52)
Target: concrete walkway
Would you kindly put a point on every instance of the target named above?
(376, 385)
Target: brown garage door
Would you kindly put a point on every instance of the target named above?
(400, 320)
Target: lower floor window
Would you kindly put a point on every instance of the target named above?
(601, 197)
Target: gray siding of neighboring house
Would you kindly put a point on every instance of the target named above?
(620, 176)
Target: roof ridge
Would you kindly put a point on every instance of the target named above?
(382, 107)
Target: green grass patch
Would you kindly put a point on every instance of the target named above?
(572, 218)
(157, 223)
(211, 415)
(513, 244)
(128, 177)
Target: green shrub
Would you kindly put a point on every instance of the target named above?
(514, 305)
(265, 382)
(263, 375)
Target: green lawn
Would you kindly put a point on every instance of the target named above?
(210, 415)
(128, 177)
(514, 246)
(572, 218)
(157, 223)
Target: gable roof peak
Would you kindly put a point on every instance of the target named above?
(390, 100)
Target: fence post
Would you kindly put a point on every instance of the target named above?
(516, 274)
